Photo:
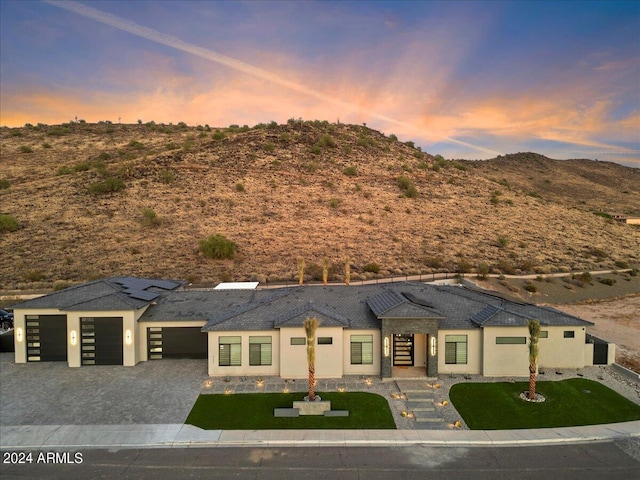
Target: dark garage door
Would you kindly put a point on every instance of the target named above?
(46, 338)
(102, 341)
(177, 342)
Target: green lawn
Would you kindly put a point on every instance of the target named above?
(254, 411)
(497, 406)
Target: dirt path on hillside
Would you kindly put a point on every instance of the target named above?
(616, 320)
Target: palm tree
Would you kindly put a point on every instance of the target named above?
(310, 326)
(325, 271)
(347, 272)
(534, 335)
(300, 270)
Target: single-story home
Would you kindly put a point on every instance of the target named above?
(384, 330)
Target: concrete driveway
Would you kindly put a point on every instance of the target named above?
(51, 393)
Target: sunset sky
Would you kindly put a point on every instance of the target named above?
(462, 79)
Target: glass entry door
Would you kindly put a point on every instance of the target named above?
(403, 350)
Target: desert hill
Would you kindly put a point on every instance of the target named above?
(92, 200)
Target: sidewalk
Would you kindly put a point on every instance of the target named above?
(82, 437)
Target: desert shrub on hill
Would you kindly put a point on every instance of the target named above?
(218, 247)
(8, 223)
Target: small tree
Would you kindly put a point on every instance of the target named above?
(534, 335)
(310, 327)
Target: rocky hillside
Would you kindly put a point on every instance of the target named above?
(92, 200)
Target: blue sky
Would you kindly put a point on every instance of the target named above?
(462, 79)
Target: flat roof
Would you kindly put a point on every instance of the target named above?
(237, 286)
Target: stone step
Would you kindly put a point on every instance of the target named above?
(419, 396)
(419, 408)
(429, 419)
(411, 404)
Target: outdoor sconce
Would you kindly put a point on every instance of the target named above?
(19, 334)
(434, 347)
(74, 337)
(386, 346)
(127, 337)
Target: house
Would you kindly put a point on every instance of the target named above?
(627, 219)
(384, 329)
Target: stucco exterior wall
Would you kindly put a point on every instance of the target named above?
(215, 370)
(371, 369)
(556, 351)
(474, 353)
(329, 358)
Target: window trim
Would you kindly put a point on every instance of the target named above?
(265, 354)
(359, 341)
(456, 340)
(235, 358)
(569, 334)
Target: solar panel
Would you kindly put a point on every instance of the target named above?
(141, 294)
(485, 314)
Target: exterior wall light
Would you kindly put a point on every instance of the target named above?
(386, 346)
(74, 338)
(434, 346)
(127, 337)
(19, 334)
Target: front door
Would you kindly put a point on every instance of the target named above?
(403, 350)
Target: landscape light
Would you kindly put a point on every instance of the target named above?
(434, 347)
(386, 346)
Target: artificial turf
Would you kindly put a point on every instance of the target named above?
(254, 411)
(572, 402)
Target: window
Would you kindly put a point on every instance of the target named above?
(361, 349)
(259, 350)
(511, 340)
(325, 340)
(569, 334)
(298, 341)
(544, 334)
(455, 349)
(229, 351)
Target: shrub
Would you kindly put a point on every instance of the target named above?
(218, 246)
(104, 156)
(239, 187)
(349, 171)
(33, 275)
(25, 149)
(172, 146)
(334, 203)
(607, 281)
(372, 267)
(483, 271)
(393, 138)
(108, 185)
(407, 185)
(218, 135)
(315, 150)
(167, 176)
(269, 147)
(464, 266)
(64, 170)
(150, 218)
(530, 287)
(619, 263)
(81, 167)
(46, 145)
(135, 145)
(60, 285)
(583, 279)
(8, 223)
(4, 183)
(503, 241)
(326, 141)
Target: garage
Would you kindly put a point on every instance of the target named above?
(101, 340)
(177, 342)
(46, 338)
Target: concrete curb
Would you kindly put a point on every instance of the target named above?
(53, 437)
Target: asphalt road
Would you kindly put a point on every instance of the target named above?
(611, 460)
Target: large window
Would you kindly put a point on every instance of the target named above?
(361, 349)
(455, 349)
(230, 351)
(511, 340)
(259, 350)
